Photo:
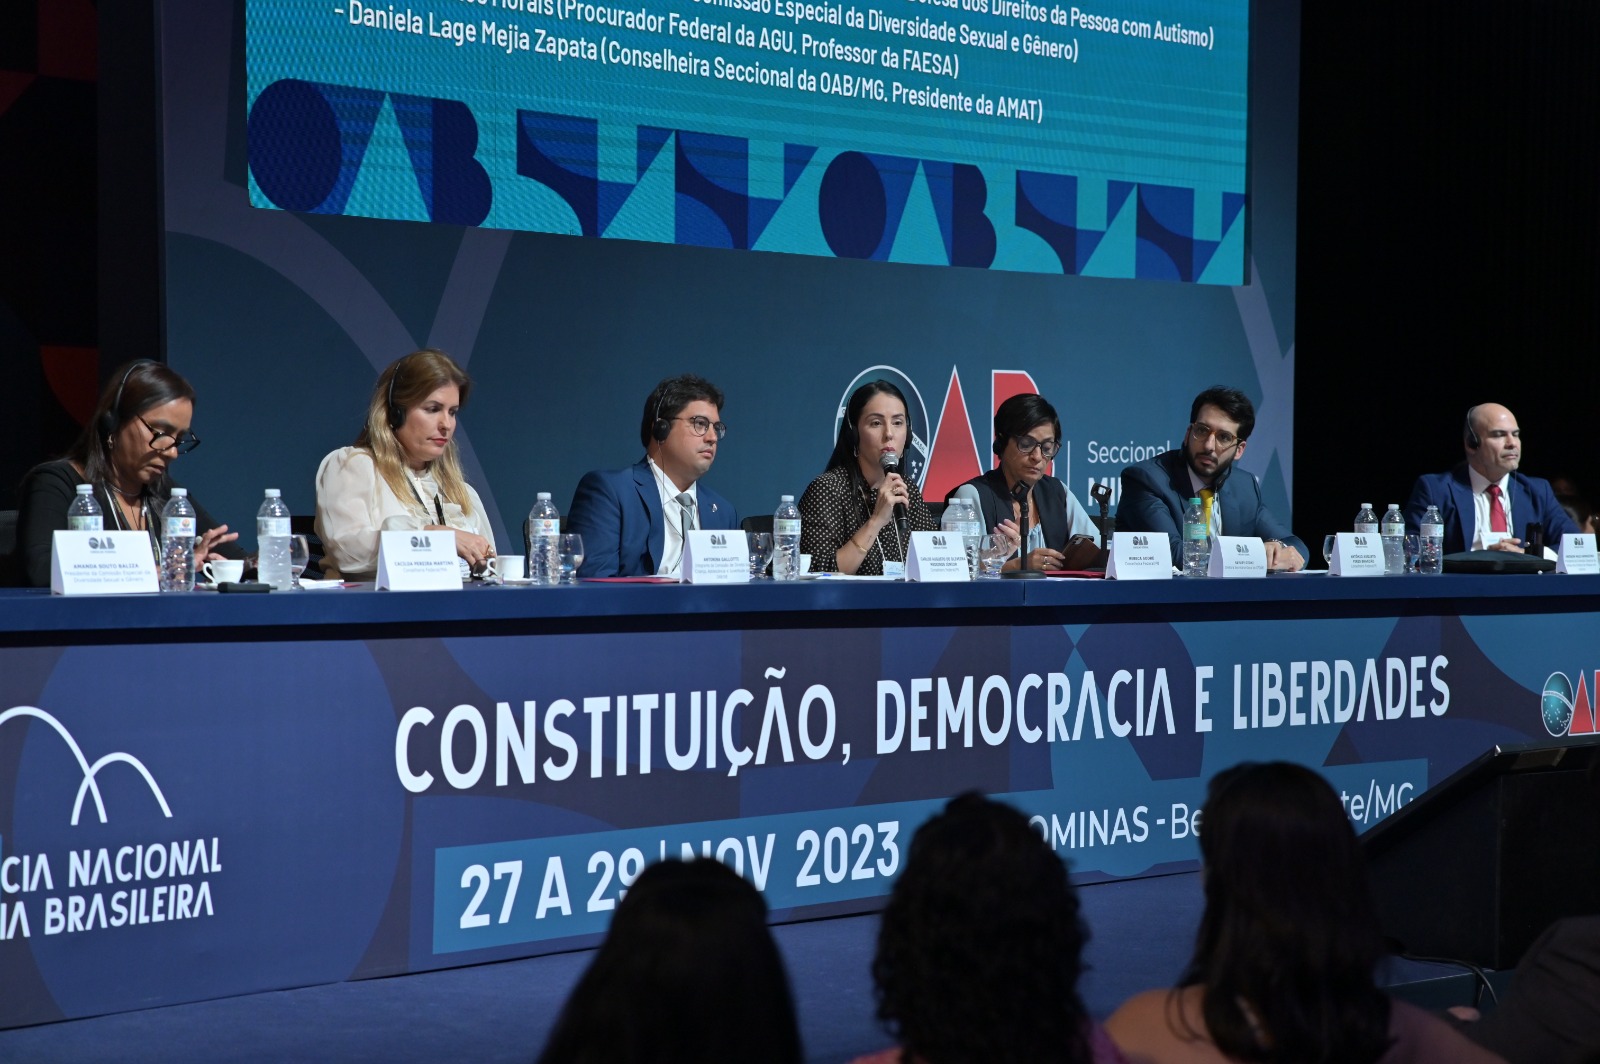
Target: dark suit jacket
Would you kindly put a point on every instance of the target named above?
(618, 513)
(1550, 1013)
(1157, 491)
(1531, 500)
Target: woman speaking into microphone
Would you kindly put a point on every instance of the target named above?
(852, 515)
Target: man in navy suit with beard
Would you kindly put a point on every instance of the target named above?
(1485, 501)
(633, 520)
(1156, 492)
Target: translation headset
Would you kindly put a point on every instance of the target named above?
(397, 416)
(109, 421)
(1471, 433)
(663, 427)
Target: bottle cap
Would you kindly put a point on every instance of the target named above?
(1366, 506)
(541, 495)
(273, 493)
(85, 489)
(1394, 506)
(180, 493)
(786, 498)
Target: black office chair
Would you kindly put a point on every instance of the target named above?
(758, 523)
(937, 509)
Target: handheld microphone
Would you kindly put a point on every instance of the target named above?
(890, 461)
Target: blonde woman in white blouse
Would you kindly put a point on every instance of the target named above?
(403, 471)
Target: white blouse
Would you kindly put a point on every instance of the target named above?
(354, 504)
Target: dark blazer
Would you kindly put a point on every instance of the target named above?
(1550, 1014)
(618, 513)
(1157, 491)
(1532, 500)
(1050, 497)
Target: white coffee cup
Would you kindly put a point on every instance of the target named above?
(506, 566)
(227, 571)
(805, 564)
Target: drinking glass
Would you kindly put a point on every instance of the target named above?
(1327, 550)
(760, 544)
(569, 546)
(299, 558)
(993, 550)
(1413, 552)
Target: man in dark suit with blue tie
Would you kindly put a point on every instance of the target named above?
(633, 520)
(1156, 492)
(1485, 501)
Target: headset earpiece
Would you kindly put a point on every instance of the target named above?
(662, 428)
(109, 421)
(999, 445)
(397, 417)
(1471, 434)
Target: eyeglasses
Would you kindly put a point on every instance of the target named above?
(183, 442)
(1200, 433)
(1048, 448)
(701, 425)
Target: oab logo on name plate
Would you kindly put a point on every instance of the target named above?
(68, 890)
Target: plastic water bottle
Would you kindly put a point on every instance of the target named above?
(1196, 540)
(1393, 531)
(542, 531)
(1367, 519)
(786, 540)
(272, 541)
(961, 519)
(1430, 559)
(84, 514)
(177, 542)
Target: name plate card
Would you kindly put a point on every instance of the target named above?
(423, 560)
(102, 563)
(716, 557)
(937, 557)
(1357, 554)
(1139, 556)
(1237, 556)
(1577, 555)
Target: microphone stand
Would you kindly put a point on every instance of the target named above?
(1022, 572)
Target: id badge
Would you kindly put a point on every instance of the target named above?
(894, 570)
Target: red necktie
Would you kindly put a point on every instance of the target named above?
(1497, 513)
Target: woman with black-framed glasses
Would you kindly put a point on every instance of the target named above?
(139, 426)
(1060, 533)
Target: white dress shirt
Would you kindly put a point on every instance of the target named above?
(1482, 537)
(671, 561)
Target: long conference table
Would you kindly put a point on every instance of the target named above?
(204, 795)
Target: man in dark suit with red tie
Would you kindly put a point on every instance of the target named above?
(1485, 501)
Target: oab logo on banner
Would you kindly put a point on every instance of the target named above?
(1565, 711)
(67, 889)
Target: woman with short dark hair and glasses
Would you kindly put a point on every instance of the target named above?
(139, 426)
(1060, 534)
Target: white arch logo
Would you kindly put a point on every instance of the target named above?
(88, 786)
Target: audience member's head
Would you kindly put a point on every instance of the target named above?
(688, 973)
(1581, 511)
(979, 952)
(1290, 934)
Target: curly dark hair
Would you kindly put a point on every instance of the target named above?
(979, 950)
(1290, 935)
